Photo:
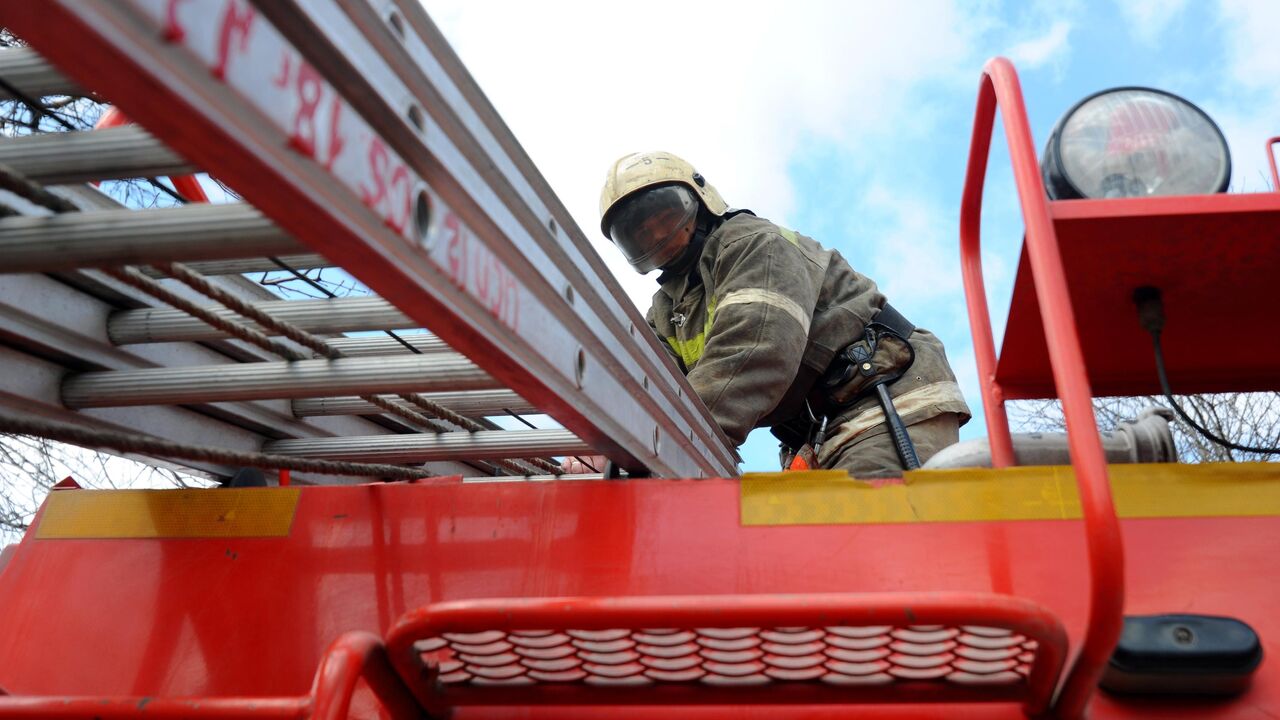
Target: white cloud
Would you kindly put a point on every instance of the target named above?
(1247, 107)
(1050, 47)
(735, 87)
(916, 261)
(1254, 48)
(1148, 18)
(915, 235)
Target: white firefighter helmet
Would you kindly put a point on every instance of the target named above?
(649, 207)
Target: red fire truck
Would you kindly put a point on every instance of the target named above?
(674, 589)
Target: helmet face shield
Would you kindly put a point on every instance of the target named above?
(653, 226)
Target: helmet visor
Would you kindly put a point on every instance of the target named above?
(652, 227)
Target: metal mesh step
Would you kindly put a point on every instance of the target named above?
(731, 650)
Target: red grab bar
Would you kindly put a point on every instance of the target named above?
(1271, 160)
(186, 185)
(481, 625)
(999, 86)
(352, 656)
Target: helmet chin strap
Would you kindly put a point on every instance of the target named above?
(707, 223)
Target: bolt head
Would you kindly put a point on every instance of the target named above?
(1183, 635)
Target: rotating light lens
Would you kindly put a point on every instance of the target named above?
(1135, 142)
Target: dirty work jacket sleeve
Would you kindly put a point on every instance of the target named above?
(765, 290)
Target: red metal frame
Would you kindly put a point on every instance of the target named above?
(727, 611)
(1000, 86)
(352, 657)
(1192, 247)
(1271, 160)
(202, 617)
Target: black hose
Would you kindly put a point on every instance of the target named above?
(1151, 315)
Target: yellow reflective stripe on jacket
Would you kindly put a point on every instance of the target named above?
(791, 235)
(690, 351)
(748, 296)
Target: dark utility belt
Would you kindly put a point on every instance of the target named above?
(890, 319)
(862, 369)
(882, 355)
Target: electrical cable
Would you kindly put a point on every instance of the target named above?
(1151, 316)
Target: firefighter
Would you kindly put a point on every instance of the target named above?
(773, 330)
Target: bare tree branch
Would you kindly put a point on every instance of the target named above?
(1246, 418)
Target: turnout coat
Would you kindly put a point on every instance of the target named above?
(759, 318)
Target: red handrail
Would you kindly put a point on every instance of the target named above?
(186, 185)
(1271, 159)
(722, 611)
(352, 656)
(1000, 86)
(355, 655)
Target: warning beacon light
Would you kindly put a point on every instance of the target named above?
(1135, 142)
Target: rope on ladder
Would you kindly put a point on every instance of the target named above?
(15, 182)
(316, 344)
(127, 442)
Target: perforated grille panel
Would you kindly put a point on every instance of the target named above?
(729, 657)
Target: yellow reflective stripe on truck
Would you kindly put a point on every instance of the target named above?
(200, 513)
(1022, 493)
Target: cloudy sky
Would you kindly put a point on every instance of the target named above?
(849, 121)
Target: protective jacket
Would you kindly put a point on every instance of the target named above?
(759, 318)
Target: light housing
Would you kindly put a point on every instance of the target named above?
(1135, 142)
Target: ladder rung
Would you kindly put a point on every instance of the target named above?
(426, 447)
(385, 345)
(32, 75)
(241, 266)
(267, 380)
(475, 404)
(60, 158)
(118, 237)
(317, 316)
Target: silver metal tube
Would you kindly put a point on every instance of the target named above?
(480, 445)
(47, 324)
(385, 345)
(1145, 440)
(32, 75)
(479, 479)
(474, 404)
(318, 316)
(63, 158)
(256, 381)
(116, 237)
(241, 266)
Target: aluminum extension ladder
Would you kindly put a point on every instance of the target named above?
(382, 158)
